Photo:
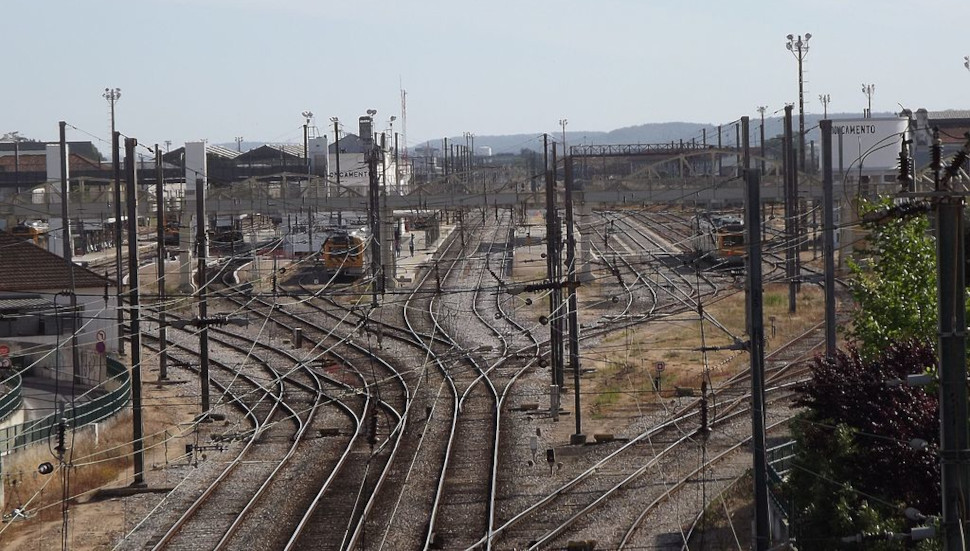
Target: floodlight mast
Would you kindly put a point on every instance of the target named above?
(799, 48)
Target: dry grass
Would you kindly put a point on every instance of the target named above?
(95, 465)
(625, 361)
(102, 462)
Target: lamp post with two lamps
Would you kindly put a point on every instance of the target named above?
(112, 95)
(868, 90)
(825, 99)
(761, 111)
(308, 115)
(799, 49)
(563, 122)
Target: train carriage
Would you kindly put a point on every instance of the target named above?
(718, 238)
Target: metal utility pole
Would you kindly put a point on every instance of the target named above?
(790, 201)
(131, 191)
(202, 246)
(799, 49)
(161, 254)
(954, 430)
(67, 251)
(578, 437)
(239, 140)
(828, 236)
(373, 196)
(554, 347)
(336, 152)
(557, 319)
(119, 273)
(756, 332)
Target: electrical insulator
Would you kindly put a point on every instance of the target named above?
(704, 427)
(61, 429)
(905, 167)
(372, 433)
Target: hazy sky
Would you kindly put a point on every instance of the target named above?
(216, 69)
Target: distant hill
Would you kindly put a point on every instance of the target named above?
(655, 133)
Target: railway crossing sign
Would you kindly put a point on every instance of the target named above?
(661, 366)
(4, 350)
(100, 335)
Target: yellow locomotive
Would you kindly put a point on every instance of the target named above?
(346, 253)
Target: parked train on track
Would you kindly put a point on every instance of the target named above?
(33, 231)
(346, 253)
(718, 238)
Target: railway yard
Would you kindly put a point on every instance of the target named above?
(425, 422)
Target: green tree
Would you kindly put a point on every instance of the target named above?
(894, 282)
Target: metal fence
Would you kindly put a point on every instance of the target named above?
(98, 408)
(11, 401)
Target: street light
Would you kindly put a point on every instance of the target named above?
(761, 111)
(868, 90)
(799, 49)
(563, 123)
(966, 62)
(308, 115)
(112, 95)
(825, 99)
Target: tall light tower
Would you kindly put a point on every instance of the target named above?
(868, 90)
(112, 95)
(239, 140)
(825, 99)
(966, 62)
(799, 49)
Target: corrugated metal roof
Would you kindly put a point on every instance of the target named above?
(949, 114)
(288, 148)
(24, 302)
(222, 151)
